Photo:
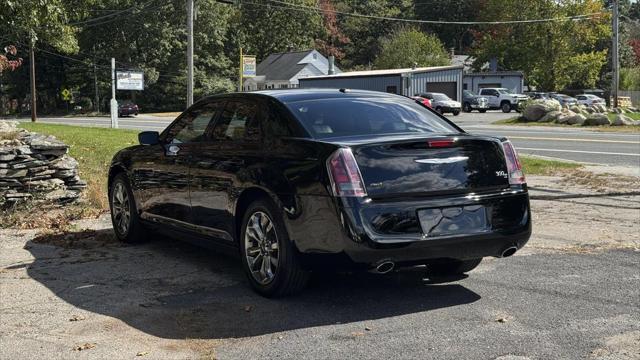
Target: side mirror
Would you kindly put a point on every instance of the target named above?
(149, 138)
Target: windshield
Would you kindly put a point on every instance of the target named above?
(469, 93)
(325, 118)
(504, 91)
(440, 97)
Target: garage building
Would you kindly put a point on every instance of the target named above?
(512, 80)
(408, 82)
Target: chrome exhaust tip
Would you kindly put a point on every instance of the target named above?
(509, 251)
(384, 267)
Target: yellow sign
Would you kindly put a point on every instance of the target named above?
(248, 66)
(66, 94)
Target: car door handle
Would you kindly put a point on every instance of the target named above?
(172, 150)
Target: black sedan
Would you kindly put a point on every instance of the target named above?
(319, 180)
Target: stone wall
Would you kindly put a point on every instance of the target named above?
(35, 167)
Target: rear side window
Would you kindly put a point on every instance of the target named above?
(237, 122)
(325, 118)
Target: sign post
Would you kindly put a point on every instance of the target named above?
(247, 67)
(114, 102)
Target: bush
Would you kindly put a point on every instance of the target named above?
(85, 103)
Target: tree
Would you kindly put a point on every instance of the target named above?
(458, 37)
(408, 47)
(334, 38)
(553, 55)
(46, 21)
(365, 33)
(630, 79)
(262, 28)
(9, 61)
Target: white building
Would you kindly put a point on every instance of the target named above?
(283, 70)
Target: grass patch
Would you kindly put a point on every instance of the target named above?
(633, 116)
(538, 166)
(93, 148)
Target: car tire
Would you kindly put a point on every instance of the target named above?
(439, 110)
(124, 214)
(284, 277)
(456, 112)
(483, 111)
(506, 107)
(466, 107)
(453, 267)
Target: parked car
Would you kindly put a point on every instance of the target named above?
(424, 101)
(128, 108)
(504, 99)
(306, 180)
(442, 103)
(535, 95)
(472, 101)
(590, 99)
(564, 100)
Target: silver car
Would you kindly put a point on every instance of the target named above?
(442, 103)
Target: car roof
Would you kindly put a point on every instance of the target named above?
(292, 95)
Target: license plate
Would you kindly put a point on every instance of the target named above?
(456, 220)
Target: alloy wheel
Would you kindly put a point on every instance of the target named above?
(261, 247)
(121, 210)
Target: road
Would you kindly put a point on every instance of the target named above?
(575, 144)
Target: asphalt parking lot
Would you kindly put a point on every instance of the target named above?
(572, 293)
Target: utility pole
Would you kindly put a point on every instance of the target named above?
(240, 72)
(114, 102)
(190, 6)
(32, 65)
(615, 59)
(95, 84)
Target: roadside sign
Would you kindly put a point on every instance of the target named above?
(66, 94)
(129, 80)
(248, 66)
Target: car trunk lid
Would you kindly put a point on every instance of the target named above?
(435, 165)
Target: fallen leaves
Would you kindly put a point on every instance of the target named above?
(142, 353)
(76, 318)
(85, 346)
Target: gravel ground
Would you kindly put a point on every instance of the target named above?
(572, 293)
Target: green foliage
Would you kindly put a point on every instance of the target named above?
(553, 55)
(365, 34)
(408, 47)
(262, 30)
(458, 37)
(630, 79)
(44, 21)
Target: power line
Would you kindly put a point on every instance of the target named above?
(288, 5)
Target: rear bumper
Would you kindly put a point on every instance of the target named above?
(344, 227)
(447, 109)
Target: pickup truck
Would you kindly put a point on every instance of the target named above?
(501, 98)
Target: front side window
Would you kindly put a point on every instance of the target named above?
(191, 127)
(325, 118)
(238, 121)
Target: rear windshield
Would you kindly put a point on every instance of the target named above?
(325, 118)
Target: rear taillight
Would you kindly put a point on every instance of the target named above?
(514, 168)
(441, 143)
(345, 175)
